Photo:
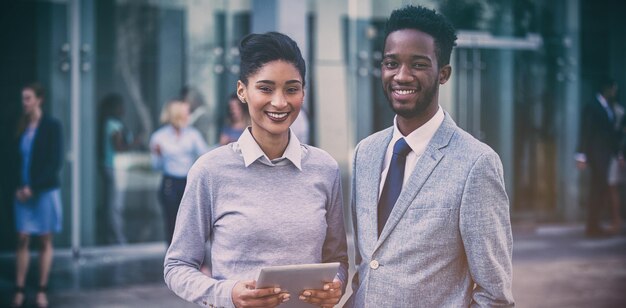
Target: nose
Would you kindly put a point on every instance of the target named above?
(279, 101)
(404, 74)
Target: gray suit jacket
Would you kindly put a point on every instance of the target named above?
(447, 242)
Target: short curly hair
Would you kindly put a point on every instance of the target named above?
(427, 21)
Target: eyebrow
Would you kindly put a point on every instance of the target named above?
(274, 83)
(414, 57)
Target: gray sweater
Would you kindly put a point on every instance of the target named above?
(252, 217)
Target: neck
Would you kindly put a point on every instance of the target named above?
(34, 117)
(272, 145)
(408, 125)
(239, 123)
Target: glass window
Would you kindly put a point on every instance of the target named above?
(148, 53)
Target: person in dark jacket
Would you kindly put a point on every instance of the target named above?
(37, 197)
(598, 145)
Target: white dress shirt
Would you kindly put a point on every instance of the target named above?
(178, 152)
(251, 151)
(417, 140)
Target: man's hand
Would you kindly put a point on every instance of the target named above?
(328, 297)
(245, 295)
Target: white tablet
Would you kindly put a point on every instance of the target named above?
(296, 278)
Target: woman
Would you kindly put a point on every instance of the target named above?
(113, 142)
(38, 203)
(238, 120)
(173, 149)
(263, 200)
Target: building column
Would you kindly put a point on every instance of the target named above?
(568, 112)
(334, 117)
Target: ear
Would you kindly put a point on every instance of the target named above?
(242, 92)
(444, 73)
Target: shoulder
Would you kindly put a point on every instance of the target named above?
(464, 144)
(319, 158)
(375, 140)
(218, 160)
(159, 133)
(593, 105)
(50, 122)
(192, 132)
(50, 125)
(113, 124)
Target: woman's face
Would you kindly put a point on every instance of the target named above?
(30, 101)
(274, 95)
(180, 115)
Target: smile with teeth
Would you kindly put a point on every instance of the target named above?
(277, 115)
(404, 92)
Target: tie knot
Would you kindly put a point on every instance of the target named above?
(401, 147)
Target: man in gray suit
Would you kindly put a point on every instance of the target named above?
(432, 227)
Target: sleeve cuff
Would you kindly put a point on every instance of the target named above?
(580, 157)
(222, 298)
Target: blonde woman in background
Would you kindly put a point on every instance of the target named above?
(174, 148)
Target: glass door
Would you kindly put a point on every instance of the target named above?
(36, 48)
(502, 97)
(147, 53)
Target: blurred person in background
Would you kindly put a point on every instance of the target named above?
(237, 121)
(199, 117)
(38, 203)
(300, 127)
(597, 147)
(113, 141)
(264, 200)
(173, 150)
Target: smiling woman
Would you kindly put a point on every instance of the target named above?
(265, 200)
(274, 99)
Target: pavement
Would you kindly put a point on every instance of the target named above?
(554, 265)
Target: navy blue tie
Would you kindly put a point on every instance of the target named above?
(393, 182)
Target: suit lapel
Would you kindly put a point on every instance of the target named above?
(425, 166)
(373, 161)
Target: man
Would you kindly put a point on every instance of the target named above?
(447, 240)
(598, 144)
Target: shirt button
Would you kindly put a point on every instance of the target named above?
(374, 264)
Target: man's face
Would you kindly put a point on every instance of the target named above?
(410, 73)
(612, 92)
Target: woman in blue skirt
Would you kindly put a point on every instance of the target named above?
(37, 197)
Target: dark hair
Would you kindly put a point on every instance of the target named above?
(244, 108)
(37, 88)
(111, 106)
(428, 21)
(40, 93)
(256, 50)
(604, 83)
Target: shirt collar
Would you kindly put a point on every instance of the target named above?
(602, 100)
(419, 138)
(251, 151)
